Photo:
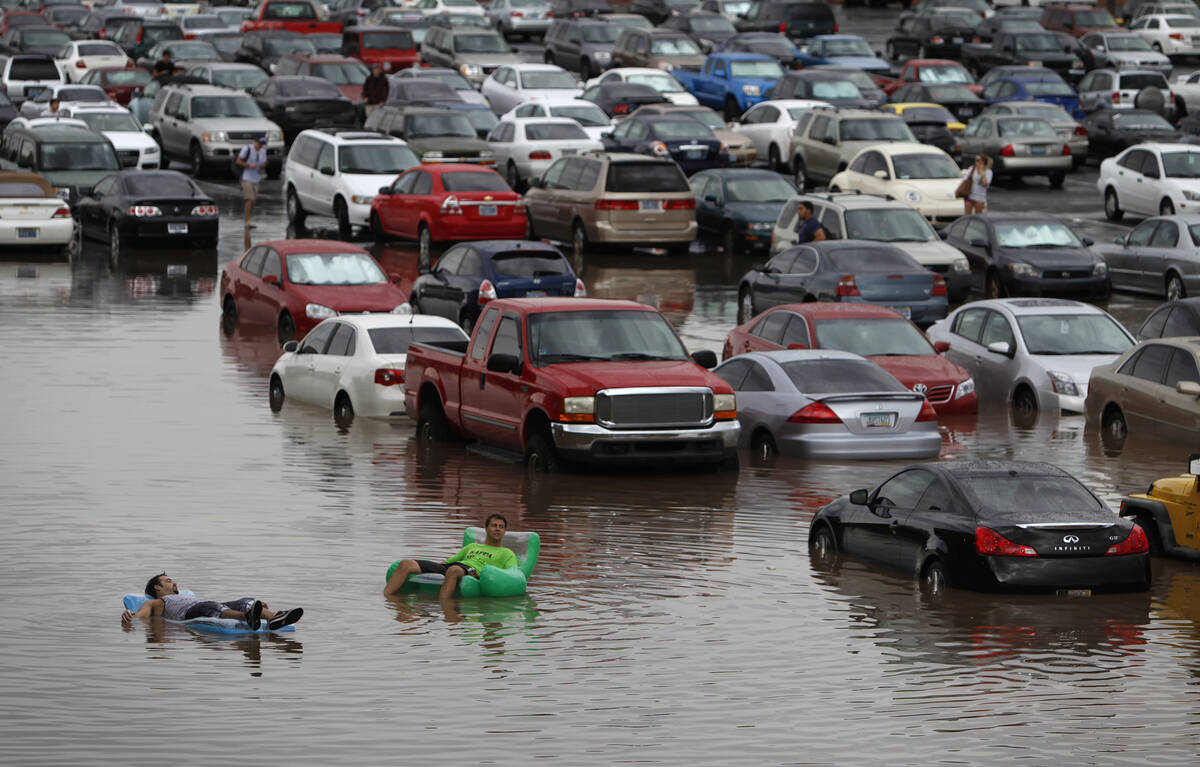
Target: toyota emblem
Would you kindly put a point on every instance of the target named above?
(1070, 539)
(920, 388)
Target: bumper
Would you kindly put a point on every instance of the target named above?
(605, 232)
(755, 239)
(1032, 166)
(940, 212)
(743, 155)
(359, 213)
(921, 444)
(1092, 287)
(1080, 572)
(590, 442)
(968, 405)
(225, 151)
(55, 231)
(156, 228)
(1179, 48)
(509, 229)
(1054, 402)
(383, 402)
(528, 25)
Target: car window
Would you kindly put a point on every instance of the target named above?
(1166, 236)
(1182, 367)
(1143, 233)
(342, 343)
(904, 490)
(938, 499)
(969, 323)
(756, 379)
(975, 230)
(733, 372)
(508, 339)
(1152, 363)
(1178, 324)
(450, 260)
(831, 223)
(997, 329)
(1153, 326)
(253, 261)
(325, 158)
(317, 339)
(796, 331)
(806, 261)
(771, 328)
(423, 183)
(271, 265)
(471, 265)
(483, 329)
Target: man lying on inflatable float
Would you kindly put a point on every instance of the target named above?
(486, 568)
(164, 599)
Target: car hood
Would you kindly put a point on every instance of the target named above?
(1053, 258)
(1142, 58)
(732, 138)
(1078, 366)
(473, 96)
(932, 252)
(1164, 136)
(583, 378)
(754, 211)
(352, 92)
(350, 298)
(930, 189)
(487, 59)
(552, 95)
(929, 369)
(865, 63)
(447, 144)
(129, 139)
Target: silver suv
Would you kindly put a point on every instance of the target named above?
(208, 125)
(824, 144)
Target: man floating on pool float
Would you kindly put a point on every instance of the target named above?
(469, 561)
(165, 600)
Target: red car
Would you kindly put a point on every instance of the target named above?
(936, 71)
(294, 284)
(876, 332)
(434, 203)
(120, 83)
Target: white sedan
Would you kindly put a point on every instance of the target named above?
(769, 125)
(514, 84)
(919, 175)
(354, 364)
(589, 116)
(1151, 179)
(1174, 34)
(526, 146)
(661, 81)
(135, 148)
(439, 7)
(31, 215)
(79, 57)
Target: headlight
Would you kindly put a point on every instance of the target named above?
(1193, 196)
(1100, 269)
(1021, 270)
(361, 199)
(965, 388)
(470, 69)
(219, 136)
(912, 195)
(431, 156)
(486, 153)
(274, 137)
(1076, 63)
(751, 90)
(152, 149)
(666, 66)
(318, 312)
(761, 226)
(724, 407)
(1063, 383)
(962, 265)
(578, 409)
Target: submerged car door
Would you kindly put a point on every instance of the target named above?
(999, 368)
(492, 400)
(325, 370)
(940, 521)
(1142, 400)
(790, 283)
(270, 297)
(873, 530)
(964, 350)
(312, 346)
(436, 293)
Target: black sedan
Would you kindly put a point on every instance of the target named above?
(134, 206)
(957, 98)
(939, 37)
(1028, 254)
(740, 206)
(987, 525)
(297, 103)
(690, 143)
(620, 99)
(1112, 131)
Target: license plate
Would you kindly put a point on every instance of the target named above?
(653, 205)
(27, 233)
(694, 154)
(177, 229)
(487, 210)
(958, 41)
(1074, 592)
(903, 311)
(964, 112)
(534, 293)
(1038, 150)
(879, 420)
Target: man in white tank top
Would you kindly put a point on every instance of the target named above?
(166, 601)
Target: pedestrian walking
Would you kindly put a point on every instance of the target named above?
(981, 179)
(252, 159)
(375, 89)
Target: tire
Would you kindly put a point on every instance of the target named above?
(729, 241)
(431, 423)
(933, 579)
(731, 109)
(1157, 47)
(822, 546)
(774, 161)
(579, 239)
(1175, 289)
(343, 411)
(342, 213)
(745, 309)
(762, 447)
(993, 288)
(197, 159)
(275, 395)
(800, 174)
(540, 455)
(1166, 208)
(295, 211)
(424, 243)
(229, 315)
(512, 176)
(1112, 206)
(285, 328)
(1057, 178)
(1114, 423)
(377, 227)
(1180, 106)
(114, 244)
(1024, 401)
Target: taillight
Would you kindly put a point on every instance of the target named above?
(1116, 97)
(580, 288)
(1136, 543)
(539, 154)
(487, 292)
(990, 543)
(660, 149)
(835, 28)
(1080, 130)
(1175, 36)
(927, 413)
(450, 206)
(389, 376)
(549, 14)
(621, 109)
(847, 287)
(617, 204)
(143, 210)
(976, 39)
(688, 204)
(937, 40)
(783, 27)
(80, 65)
(1007, 151)
(62, 213)
(1066, 151)
(939, 286)
(205, 210)
(516, 14)
(817, 412)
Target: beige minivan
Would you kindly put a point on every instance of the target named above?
(614, 198)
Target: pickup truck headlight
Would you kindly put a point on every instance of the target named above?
(962, 265)
(724, 407)
(274, 137)
(1063, 383)
(751, 90)
(578, 410)
(1021, 270)
(318, 312)
(471, 70)
(215, 136)
(965, 388)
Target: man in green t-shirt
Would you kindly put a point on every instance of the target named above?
(469, 560)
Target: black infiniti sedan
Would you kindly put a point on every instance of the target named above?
(1112, 131)
(1028, 254)
(135, 206)
(297, 103)
(987, 525)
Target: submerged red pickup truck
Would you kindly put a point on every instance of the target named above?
(293, 15)
(575, 380)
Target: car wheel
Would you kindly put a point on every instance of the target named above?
(114, 244)
(762, 447)
(579, 239)
(1112, 206)
(773, 160)
(197, 158)
(1180, 106)
(295, 211)
(512, 176)
(1175, 289)
(424, 243)
(229, 316)
(285, 329)
(73, 249)
(822, 546)
(343, 411)
(1024, 401)
(1157, 47)
(540, 455)
(1114, 423)
(800, 174)
(731, 109)
(745, 306)
(377, 227)
(1057, 178)
(1166, 208)
(729, 241)
(342, 213)
(275, 394)
(933, 579)
(992, 287)
(431, 423)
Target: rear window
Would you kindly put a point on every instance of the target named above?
(99, 49)
(21, 189)
(554, 132)
(385, 40)
(397, 340)
(529, 264)
(871, 259)
(645, 177)
(314, 88)
(127, 77)
(1133, 82)
(1024, 498)
(1053, 89)
(474, 181)
(159, 185)
(808, 12)
(32, 69)
(840, 377)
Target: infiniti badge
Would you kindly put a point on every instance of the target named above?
(1070, 539)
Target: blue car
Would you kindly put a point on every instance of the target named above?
(846, 51)
(740, 205)
(1049, 88)
(470, 274)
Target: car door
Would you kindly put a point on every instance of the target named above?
(1124, 262)
(821, 153)
(300, 385)
(710, 202)
(1141, 398)
(93, 213)
(940, 515)
(396, 204)
(999, 368)
(325, 371)
(271, 297)
(493, 401)
(872, 531)
(436, 292)
(324, 179)
(965, 329)
(1153, 258)
(971, 237)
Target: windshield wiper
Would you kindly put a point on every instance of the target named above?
(1093, 351)
(568, 357)
(641, 356)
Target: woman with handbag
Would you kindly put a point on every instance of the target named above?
(974, 187)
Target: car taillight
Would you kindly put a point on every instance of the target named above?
(1007, 151)
(549, 14)
(143, 210)
(539, 154)
(450, 206)
(976, 39)
(927, 413)
(205, 210)
(783, 27)
(80, 65)
(1175, 36)
(62, 213)
(660, 149)
(937, 39)
(990, 543)
(580, 288)
(847, 287)
(516, 14)
(1136, 543)
(1080, 130)
(616, 204)
(1116, 97)
(688, 204)
(621, 109)
(817, 412)
(1066, 151)
(939, 286)
(835, 28)
(487, 292)
(111, 94)
(389, 376)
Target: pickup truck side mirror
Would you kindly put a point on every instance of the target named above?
(504, 363)
(941, 347)
(291, 346)
(705, 358)
(859, 497)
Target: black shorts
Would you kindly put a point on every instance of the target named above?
(428, 566)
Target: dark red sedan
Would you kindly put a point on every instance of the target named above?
(876, 332)
(294, 284)
(436, 203)
(120, 83)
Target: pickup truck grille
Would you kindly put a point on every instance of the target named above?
(654, 407)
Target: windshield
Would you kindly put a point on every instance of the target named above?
(426, 126)
(958, 19)
(1140, 121)
(224, 106)
(203, 22)
(523, 263)
(875, 130)
(334, 269)
(548, 80)
(1127, 43)
(762, 69)
(1095, 18)
(1036, 234)
(453, 79)
(703, 116)
(397, 340)
(277, 46)
(585, 336)
(238, 78)
(326, 43)
(950, 92)
(225, 43)
(1047, 88)
(480, 43)
(762, 188)
(347, 73)
(22, 189)
(1182, 23)
(674, 46)
(421, 89)
(680, 129)
(483, 120)
(1181, 164)
(109, 121)
(79, 155)
(589, 116)
(848, 48)
(660, 83)
(835, 89)
(1024, 126)
(776, 45)
(920, 166)
(308, 88)
(888, 225)
(1023, 498)
(840, 377)
(47, 37)
(600, 33)
(554, 132)
(376, 159)
(1038, 43)
(927, 115)
(1072, 334)
(712, 24)
(646, 177)
(884, 336)
(474, 181)
(385, 40)
(159, 185)
(946, 74)
(232, 16)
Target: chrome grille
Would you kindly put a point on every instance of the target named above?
(244, 135)
(654, 407)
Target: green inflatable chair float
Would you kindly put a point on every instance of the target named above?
(492, 581)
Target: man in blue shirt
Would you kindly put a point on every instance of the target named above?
(252, 159)
(808, 229)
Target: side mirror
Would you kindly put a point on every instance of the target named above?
(385, 190)
(606, 134)
(859, 497)
(705, 358)
(977, 243)
(1190, 388)
(1088, 242)
(326, 170)
(536, 182)
(882, 175)
(148, 129)
(1000, 347)
(941, 347)
(395, 277)
(271, 279)
(291, 346)
(1121, 240)
(710, 198)
(504, 363)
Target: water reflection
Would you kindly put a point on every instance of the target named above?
(160, 636)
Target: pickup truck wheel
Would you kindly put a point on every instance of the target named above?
(343, 411)
(540, 455)
(431, 423)
(197, 158)
(286, 328)
(1112, 206)
(731, 109)
(275, 394)
(295, 211)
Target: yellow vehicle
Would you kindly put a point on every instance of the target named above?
(926, 112)
(1169, 512)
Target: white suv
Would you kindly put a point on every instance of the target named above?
(338, 172)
